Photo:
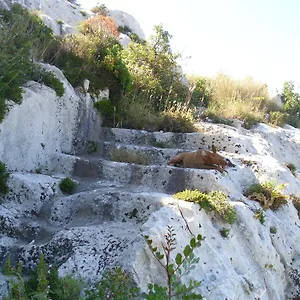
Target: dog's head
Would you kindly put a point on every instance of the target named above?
(213, 158)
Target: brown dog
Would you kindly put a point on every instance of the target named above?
(200, 159)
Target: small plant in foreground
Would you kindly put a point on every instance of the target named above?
(128, 156)
(260, 215)
(67, 185)
(273, 230)
(216, 201)
(292, 168)
(267, 194)
(4, 175)
(184, 263)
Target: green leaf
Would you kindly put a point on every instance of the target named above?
(178, 259)
(193, 243)
(187, 250)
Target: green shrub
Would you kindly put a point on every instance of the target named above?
(267, 194)
(48, 78)
(176, 119)
(115, 284)
(99, 9)
(273, 230)
(4, 175)
(214, 201)
(42, 283)
(24, 38)
(224, 232)
(67, 185)
(128, 156)
(277, 118)
(107, 111)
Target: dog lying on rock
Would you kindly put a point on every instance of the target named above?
(200, 159)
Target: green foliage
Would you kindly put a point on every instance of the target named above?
(224, 232)
(267, 194)
(48, 78)
(277, 118)
(115, 284)
(273, 230)
(260, 215)
(184, 263)
(67, 185)
(4, 175)
(94, 54)
(292, 168)
(128, 156)
(42, 283)
(214, 201)
(202, 93)
(107, 111)
(24, 38)
(291, 104)
(154, 70)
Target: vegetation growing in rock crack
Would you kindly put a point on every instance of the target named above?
(4, 175)
(67, 185)
(214, 201)
(267, 194)
(128, 156)
(292, 168)
(24, 39)
(260, 216)
(183, 264)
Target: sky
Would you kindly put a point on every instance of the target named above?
(257, 38)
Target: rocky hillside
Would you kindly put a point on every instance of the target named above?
(115, 203)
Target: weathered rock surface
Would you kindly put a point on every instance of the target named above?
(115, 203)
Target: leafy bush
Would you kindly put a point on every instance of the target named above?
(176, 119)
(67, 185)
(48, 78)
(94, 54)
(107, 111)
(291, 104)
(277, 118)
(267, 194)
(43, 283)
(4, 175)
(214, 201)
(185, 262)
(115, 284)
(154, 70)
(24, 38)
(128, 156)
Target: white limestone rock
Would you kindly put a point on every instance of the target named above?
(52, 13)
(124, 19)
(45, 128)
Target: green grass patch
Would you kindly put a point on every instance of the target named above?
(267, 194)
(214, 201)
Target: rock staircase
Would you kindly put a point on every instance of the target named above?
(100, 225)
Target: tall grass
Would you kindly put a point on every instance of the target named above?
(245, 99)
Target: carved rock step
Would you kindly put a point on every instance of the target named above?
(227, 140)
(163, 179)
